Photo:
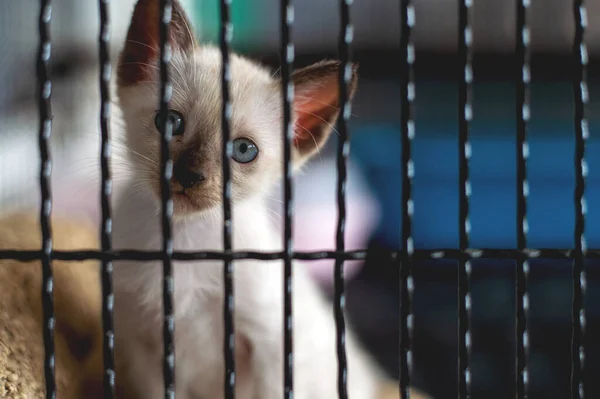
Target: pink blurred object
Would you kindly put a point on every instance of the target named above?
(315, 230)
(315, 216)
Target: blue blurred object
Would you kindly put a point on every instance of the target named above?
(493, 168)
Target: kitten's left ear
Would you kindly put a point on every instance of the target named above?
(316, 105)
(139, 58)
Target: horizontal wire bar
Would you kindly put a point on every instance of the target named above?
(90, 254)
(420, 254)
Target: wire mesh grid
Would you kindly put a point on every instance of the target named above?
(407, 253)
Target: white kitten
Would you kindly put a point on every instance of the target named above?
(256, 131)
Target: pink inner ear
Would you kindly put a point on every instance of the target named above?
(142, 46)
(314, 107)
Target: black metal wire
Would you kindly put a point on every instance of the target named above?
(226, 35)
(185, 256)
(287, 93)
(581, 95)
(407, 50)
(345, 77)
(106, 191)
(465, 113)
(45, 132)
(166, 7)
(522, 148)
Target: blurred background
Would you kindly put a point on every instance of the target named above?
(374, 195)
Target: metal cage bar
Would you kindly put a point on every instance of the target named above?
(522, 148)
(581, 95)
(465, 114)
(166, 8)
(186, 256)
(45, 132)
(105, 195)
(419, 254)
(343, 151)
(287, 54)
(226, 35)
(407, 50)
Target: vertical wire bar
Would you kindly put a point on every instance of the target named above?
(166, 7)
(45, 132)
(287, 55)
(465, 114)
(407, 12)
(226, 34)
(522, 147)
(106, 191)
(343, 152)
(581, 95)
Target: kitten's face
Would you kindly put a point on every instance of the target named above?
(256, 129)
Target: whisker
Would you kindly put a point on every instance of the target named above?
(312, 99)
(315, 140)
(187, 27)
(276, 72)
(141, 63)
(327, 122)
(144, 44)
(134, 152)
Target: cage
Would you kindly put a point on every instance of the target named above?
(476, 121)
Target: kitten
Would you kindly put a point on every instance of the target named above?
(256, 132)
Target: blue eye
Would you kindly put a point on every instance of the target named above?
(244, 150)
(176, 119)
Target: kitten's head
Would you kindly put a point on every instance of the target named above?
(256, 126)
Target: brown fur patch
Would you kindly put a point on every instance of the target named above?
(77, 303)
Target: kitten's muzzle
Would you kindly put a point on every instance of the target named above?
(186, 176)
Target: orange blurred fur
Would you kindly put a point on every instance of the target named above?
(77, 301)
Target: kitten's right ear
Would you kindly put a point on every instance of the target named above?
(139, 58)
(316, 105)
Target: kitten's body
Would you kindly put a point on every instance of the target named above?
(199, 316)
(197, 226)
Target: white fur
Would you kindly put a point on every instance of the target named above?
(199, 284)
